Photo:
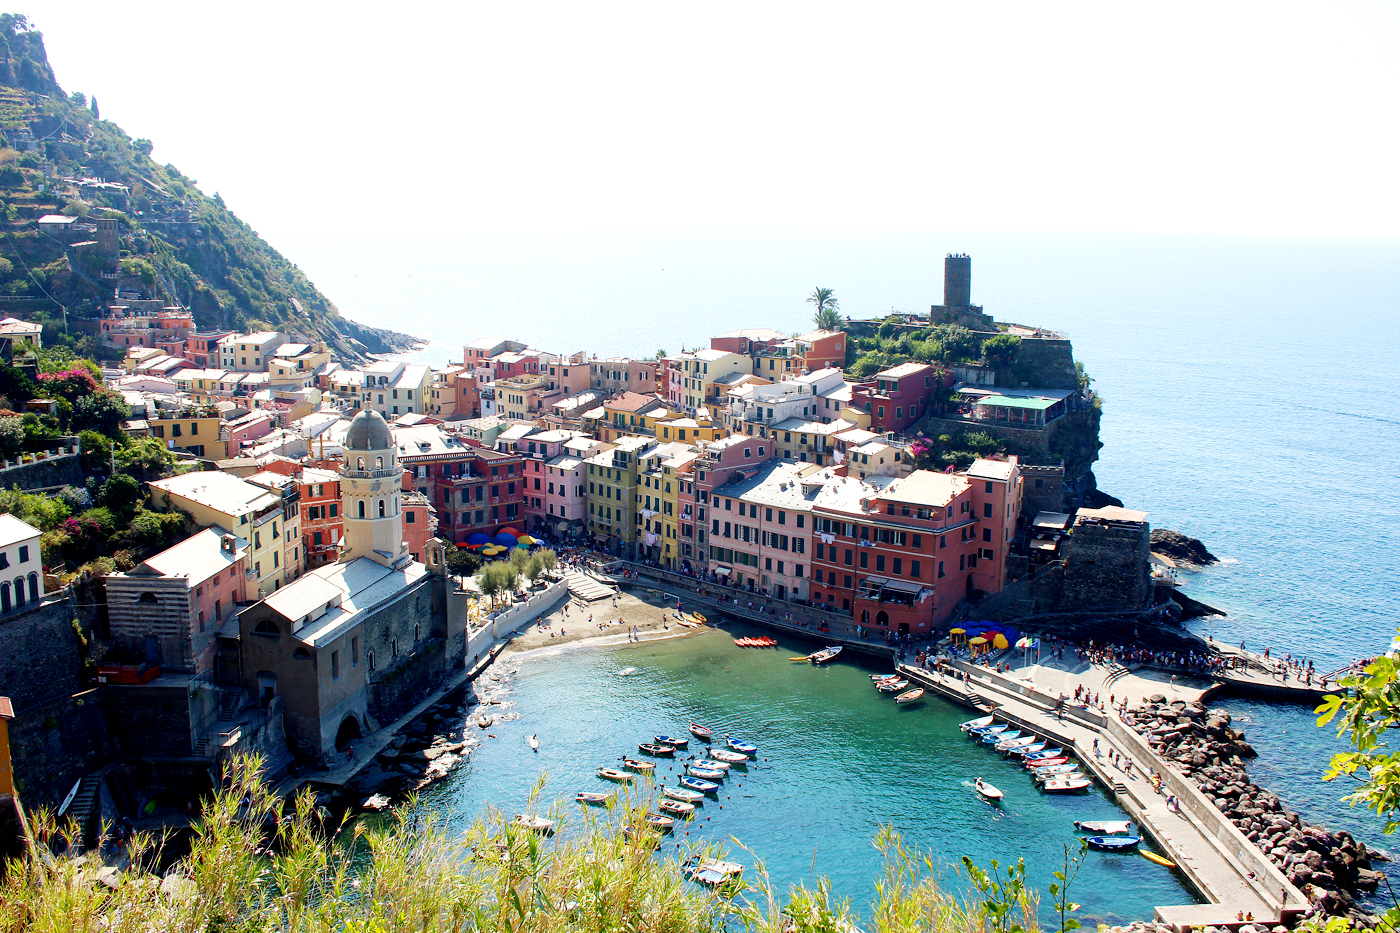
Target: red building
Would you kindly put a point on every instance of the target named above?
(322, 526)
(897, 397)
(471, 488)
(822, 349)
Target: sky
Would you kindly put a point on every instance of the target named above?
(565, 118)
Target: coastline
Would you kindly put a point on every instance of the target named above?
(543, 638)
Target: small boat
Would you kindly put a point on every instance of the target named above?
(892, 686)
(1021, 751)
(683, 794)
(988, 791)
(1046, 762)
(670, 740)
(612, 774)
(715, 765)
(701, 733)
(910, 696)
(627, 672)
(728, 757)
(971, 724)
(1105, 827)
(589, 797)
(705, 773)
(676, 807)
(1010, 744)
(987, 730)
(632, 764)
(824, 655)
(743, 748)
(537, 823)
(1153, 856)
(713, 871)
(660, 822)
(651, 749)
(1113, 843)
(1044, 753)
(1050, 771)
(883, 678)
(995, 738)
(534, 741)
(694, 783)
(1066, 784)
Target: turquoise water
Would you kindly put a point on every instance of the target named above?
(837, 760)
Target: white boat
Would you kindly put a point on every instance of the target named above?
(1051, 771)
(683, 794)
(1047, 776)
(612, 774)
(660, 822)
(643, 767)
(1023, 750)
(709, 765)
(893, 686)
(988, 791)
(1015, 743)
(910, 696)
(879, 677)
(534, 741)
(971, 724)
(589, 797)
(537, 823)
(824, 655)
(714, 871)
(676, 807)
(725, 755)
(1066, 784)
(1104, 827)
(707, 774)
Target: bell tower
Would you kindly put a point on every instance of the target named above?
(370, 489)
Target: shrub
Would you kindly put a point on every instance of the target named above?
(11, 436)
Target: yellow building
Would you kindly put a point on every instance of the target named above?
(689, 430)
(191, 429)
(612, 495)
(632, 413)
(676, 472)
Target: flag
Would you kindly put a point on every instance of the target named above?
(949, 469)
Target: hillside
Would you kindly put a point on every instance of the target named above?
(145, 230)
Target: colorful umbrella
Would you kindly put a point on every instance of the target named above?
(505, 540)
(1000, 641)
(527, 540)
(979, 640)
(957, 631)
(478, 538)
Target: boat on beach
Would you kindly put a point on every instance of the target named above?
(826, 654)
(683, 794)
(652, 749)
(612, 774)
(988, 791)
(701, 733)
(971, 724)
(910, 696)
(670, 740)
(1113, 843)
(1105, 827)
(591, 798)
(695, 783)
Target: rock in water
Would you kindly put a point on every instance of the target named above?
(1177, 546)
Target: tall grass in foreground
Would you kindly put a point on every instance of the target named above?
(406, 873)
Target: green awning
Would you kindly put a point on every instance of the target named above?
(1031, 404)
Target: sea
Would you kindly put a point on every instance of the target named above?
(1249, 398)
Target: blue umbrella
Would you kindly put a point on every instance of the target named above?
(505, 540)
(478, 538)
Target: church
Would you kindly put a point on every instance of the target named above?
(351, 646)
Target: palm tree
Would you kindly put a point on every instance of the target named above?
(826, 316)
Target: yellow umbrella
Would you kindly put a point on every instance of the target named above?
(957, 631)
(1000, 641)
(526, 540)
(979, 640)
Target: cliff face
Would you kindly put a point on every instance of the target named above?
(144, 230)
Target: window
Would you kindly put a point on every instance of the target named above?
(848, 557)
(914, 569)
(986, 510)
(940, 570)
(864, 560)
(335, 665)
(24, 553)
(962, 562)
(381, 508)
(362, 509)
(879, 562)
(986, 553)
(409, 517)
(369, 659)
(986, 534)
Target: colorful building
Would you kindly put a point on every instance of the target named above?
(761, 528)
(895, 398)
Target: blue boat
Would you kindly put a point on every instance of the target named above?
(995, 737)
(671, 741)
(742, 747)
(984, 730)
(1027, 750)
(1113, 843)
(1045, 753)
(694, 783)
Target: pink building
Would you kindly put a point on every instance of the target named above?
(761, 528)
(717, 463)
(168, 609)
(242, 432)
(555, 500)
(419, 523)
(895, 398)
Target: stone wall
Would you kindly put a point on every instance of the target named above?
(62, 470)
(1047, 363)
(1030, 595)
(1106, 567)
(1043, 489)
(155, 717)
(1037, 439)
(397, 684)
(55, 742)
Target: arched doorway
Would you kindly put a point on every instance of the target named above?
(349, 731)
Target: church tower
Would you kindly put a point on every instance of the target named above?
(371, 483)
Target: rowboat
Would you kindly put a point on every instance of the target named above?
(682, 794)
(988, 791)
(985, 730)
(824, 655)
(1153, 856)
(892, 686)
(632, 764)
(971, 724)
(1113, 843)
(612, 774)
(1046, 762)
(700, 732)
(1104, 827)
(694, 783)
(589, 797)
(676, 807)
(660, 822)
(670, 740)
(715, 765)
(537, 823)
(879, 677)
(713, 871)
(1066, 784)
(728, 757)
(1044, 753)
(651, 749)
(995, 738)
(707, 774)
(1022, 751)
(1009, 744)
(1050, 771)
(744, 748)
(910, 696)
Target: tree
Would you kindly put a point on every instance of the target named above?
(1001, 350)
(490, 582)
(825, 305)
(121, 493)
(461, 561)
(11, 436)
(1365, 711)
(102, 411)
(550, 559)
(534, 569)
(96, 114)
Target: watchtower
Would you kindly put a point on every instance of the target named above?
(957, 281)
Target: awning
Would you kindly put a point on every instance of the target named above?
(723, 569)
(1039, 545)
(902, 586)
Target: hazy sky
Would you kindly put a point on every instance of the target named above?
(1212, 118)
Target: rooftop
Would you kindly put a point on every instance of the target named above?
(1112, 513)
(198, 558)
(360, 585)
(630, 401)
(991, 469)
(902, 370)
(13, 530)
(775, 483)
(221, 492)
(753, 333)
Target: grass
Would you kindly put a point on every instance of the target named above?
(407, 873)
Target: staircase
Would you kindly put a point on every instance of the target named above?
(233, 702)
(588, 589)
(80, 811)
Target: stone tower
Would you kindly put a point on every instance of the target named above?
(370, 486)
(957, 281)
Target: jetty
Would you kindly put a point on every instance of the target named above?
(1228, 870)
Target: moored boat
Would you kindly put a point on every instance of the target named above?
(700, 732)
(1105, 827)
(660, 822)
(713, 871)
(589, 797)
(980, 731)
(1044, 753)
(910, 696)
(612, 774)
(676, 807)
(1066, 784)
(671, 740)
(633, 764)
(892, 686)
(1046, 762)
(1113, 843)
(1154, 857)
(706, 774)
(694, 783)
(683, 794)
(712, 763)
(537, 823)
(1050, 771)
(971, 724)
(1024, 750)
(534, 741)
(826, 654)
(727, 756)
(1007, 745)
(652, 749)
(743, 748)
(994, 738)
(988, 791)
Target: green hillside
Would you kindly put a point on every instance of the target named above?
(172, 243)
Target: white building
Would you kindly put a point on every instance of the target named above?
(21, 570)
(249, 353)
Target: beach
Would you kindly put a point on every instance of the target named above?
(578, 624)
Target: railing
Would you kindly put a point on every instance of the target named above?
(39, 456)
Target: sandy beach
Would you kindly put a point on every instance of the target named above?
(602, 622)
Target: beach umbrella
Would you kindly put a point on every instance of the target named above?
(528, 540)
(1000, 641)
(477, 539)
(957, 631)
(511, 531)
(505, 539)
(979, 640)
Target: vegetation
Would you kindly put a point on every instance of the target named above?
(825, 314)
(894, 343)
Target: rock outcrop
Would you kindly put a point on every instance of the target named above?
(1180, 548)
